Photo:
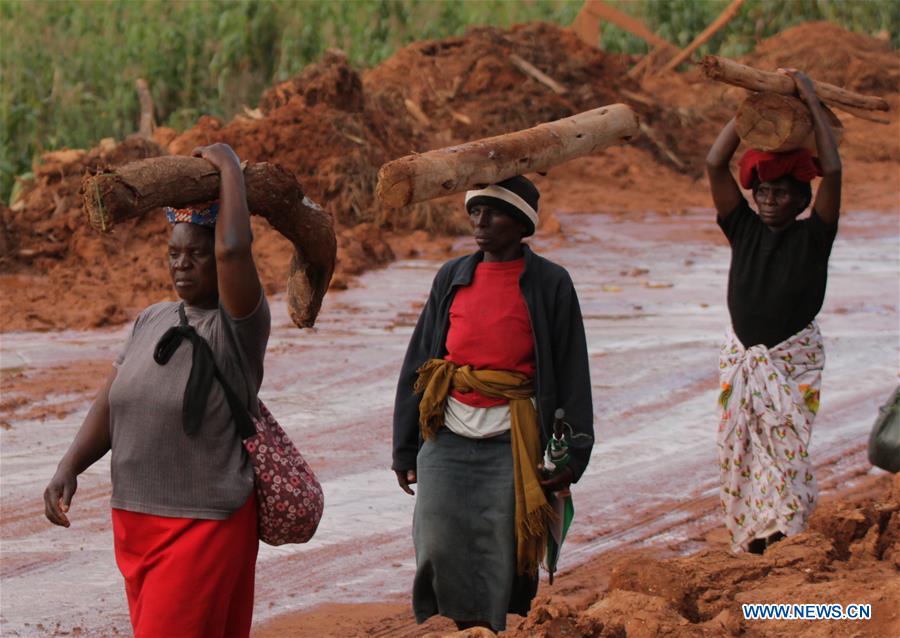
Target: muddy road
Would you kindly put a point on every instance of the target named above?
(653, 296)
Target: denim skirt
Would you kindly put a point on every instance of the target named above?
(464, 532)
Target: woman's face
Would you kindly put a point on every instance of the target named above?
(192, 265)
(494, 230)
(778, 202)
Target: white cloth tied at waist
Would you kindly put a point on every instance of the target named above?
(476, 423)
(769, 398)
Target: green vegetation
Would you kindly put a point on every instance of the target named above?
(680, 21)
(67, 68)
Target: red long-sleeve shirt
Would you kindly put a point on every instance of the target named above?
(489, 326)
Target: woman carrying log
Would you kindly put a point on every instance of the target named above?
(183, 507)
(498, 347)
(771, 362)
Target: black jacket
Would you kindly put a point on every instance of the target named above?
(562, 379)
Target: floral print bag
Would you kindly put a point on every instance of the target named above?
(289, 498)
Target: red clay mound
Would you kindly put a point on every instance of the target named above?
(465, 88)
(850, 554)
(333, 129)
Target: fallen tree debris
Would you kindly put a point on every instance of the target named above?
(147, 123)
(730, 11)
(532, 71)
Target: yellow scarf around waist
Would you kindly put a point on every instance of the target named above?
(436, 378)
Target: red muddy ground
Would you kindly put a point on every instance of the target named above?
(850, 554)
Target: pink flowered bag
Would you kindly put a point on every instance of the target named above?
(289, 498)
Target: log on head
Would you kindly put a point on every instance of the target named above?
(777, 123)
(272, 192)
(731, 72)
(416, 178)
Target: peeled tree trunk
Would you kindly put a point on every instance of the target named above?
(778, 123)
(419, 177)
(272, 192)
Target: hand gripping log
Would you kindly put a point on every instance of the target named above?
(419, 177)
(272, 192)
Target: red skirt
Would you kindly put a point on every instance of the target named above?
(186, 577)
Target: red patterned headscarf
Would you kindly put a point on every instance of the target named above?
(767, 167)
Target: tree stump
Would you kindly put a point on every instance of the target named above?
(778, 123)
(134, 189)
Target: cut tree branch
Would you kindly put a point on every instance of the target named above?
(730, 11)
(147, 124)
(420, 177)
(778, 123)
(731, 72)
(601, 11)
(532, 71)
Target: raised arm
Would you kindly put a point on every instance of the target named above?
(239, 287)
(89, 445)
(828, 196)
(725, 192)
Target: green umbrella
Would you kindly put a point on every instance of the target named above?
(556, 458)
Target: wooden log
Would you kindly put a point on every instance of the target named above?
(862, 114)
(420, 177)
(532, 71)
(773, 122)
(134, 189)
(587, 27)
(723, 19)
(731, 72)
(778, 123)
(147, 123)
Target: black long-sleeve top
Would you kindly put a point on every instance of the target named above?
(562, 378)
